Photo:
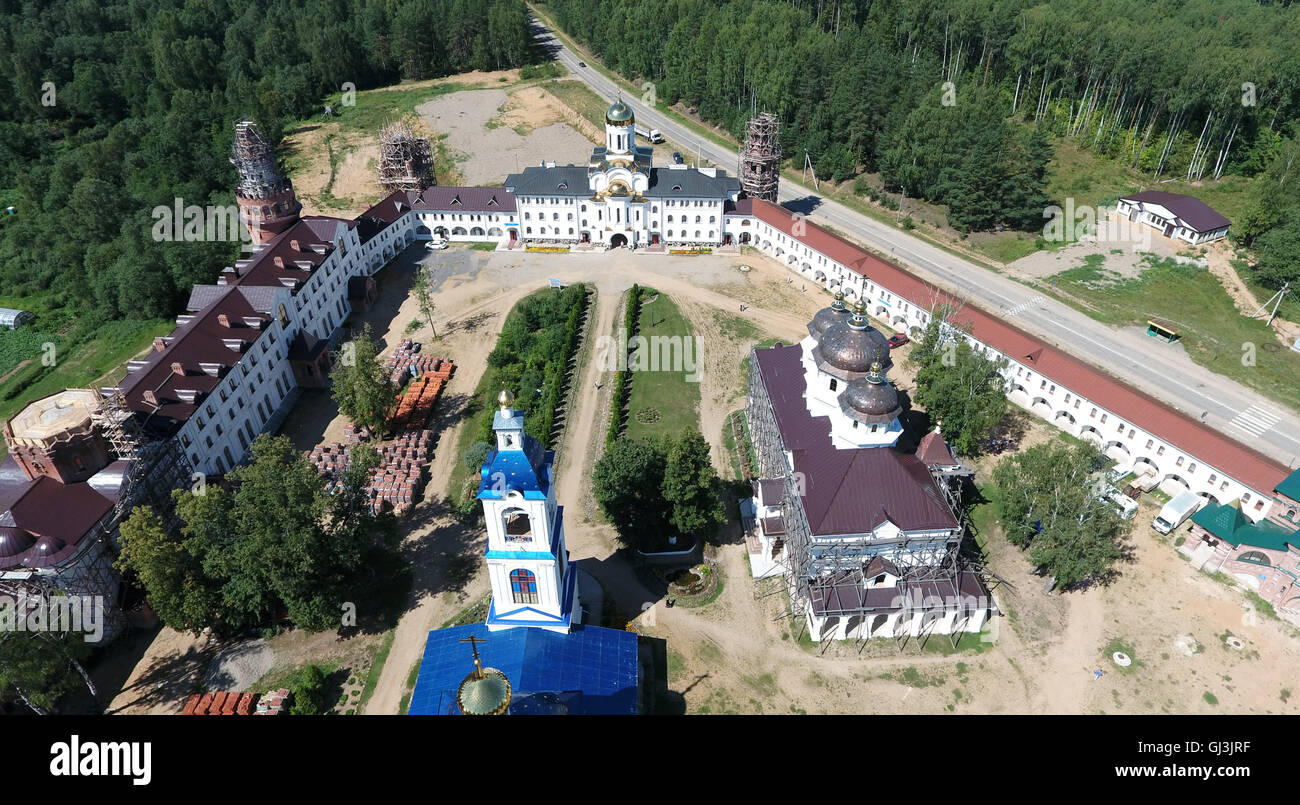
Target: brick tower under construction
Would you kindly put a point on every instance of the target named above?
(405, 159)
(267, 204)
(760, 160)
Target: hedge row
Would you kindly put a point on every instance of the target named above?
(623, 378)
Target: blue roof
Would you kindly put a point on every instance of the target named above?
(593, 668)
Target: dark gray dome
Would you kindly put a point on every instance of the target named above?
(14, 541)
(873, 403)
(848, 348)
(828, 316)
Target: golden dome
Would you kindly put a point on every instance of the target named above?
(506, 399)
(484, 692)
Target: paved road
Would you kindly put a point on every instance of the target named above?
(1223, 404)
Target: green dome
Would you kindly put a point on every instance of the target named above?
(619, 114)
(485, 693)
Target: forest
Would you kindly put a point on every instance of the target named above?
(109, 108)
(1193, 89)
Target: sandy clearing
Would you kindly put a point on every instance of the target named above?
(480, 131)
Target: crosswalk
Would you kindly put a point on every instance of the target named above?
(1255, 420)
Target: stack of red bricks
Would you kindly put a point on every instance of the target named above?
(417, 402)
(398, 480)
(221, 703)
(406, 363)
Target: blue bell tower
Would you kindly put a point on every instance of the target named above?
(533, 582)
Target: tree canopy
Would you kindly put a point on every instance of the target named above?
(956, 385)
(277, 540)
(361, 384)
(112, 108)
(1049, 504)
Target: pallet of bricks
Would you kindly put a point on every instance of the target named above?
(406, 362)
(225, 703)
(416, 403)
(398, 480)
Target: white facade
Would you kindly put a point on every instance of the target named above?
(1067, 408)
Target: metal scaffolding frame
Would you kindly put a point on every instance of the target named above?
(254, 159)
(405, 159)
(808, 564)
(760, 159)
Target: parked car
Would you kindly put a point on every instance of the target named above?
(677, 157)
(437, 244)
(898, 340)
(582, 64)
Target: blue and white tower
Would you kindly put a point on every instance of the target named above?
(533, 582)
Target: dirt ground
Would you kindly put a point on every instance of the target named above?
(495, 132)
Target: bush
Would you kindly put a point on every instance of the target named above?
(309, 693)
(476, 455)
(623, 379)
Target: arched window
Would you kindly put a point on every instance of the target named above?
(518, 527)
(523, 586)
(1255, 558)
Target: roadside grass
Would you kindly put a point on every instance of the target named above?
(376, 668)
(580, 98)
(664, 399)
(1212, 332)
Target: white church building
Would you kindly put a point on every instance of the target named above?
(620, 199)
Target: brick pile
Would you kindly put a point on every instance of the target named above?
(407, 362)
(221, 703)
(274, 703)
(416, 403)
(398, 480)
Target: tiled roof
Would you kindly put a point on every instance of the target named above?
(562, 180)
(1206, 445)
(160, 394)
(1190, 210)
(933, 451)
(53, 518)
(1290, 486)
(690, 183)
(846, 491)
(469, 199)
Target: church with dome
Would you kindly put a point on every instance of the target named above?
(542, 656)
(619, 198)
(862, 522)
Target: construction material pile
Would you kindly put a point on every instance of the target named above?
(399, 479)
(407, 362)
(226, 703)
(417, 402)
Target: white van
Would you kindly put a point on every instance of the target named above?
(1176, 511)
(1125, 505)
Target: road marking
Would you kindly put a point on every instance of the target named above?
(1256, 420)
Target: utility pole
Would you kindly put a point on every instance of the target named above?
(901, 199)
(808, 166)
(1276, 301)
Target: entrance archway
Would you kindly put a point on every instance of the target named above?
(617, 241)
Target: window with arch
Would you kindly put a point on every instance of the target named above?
(1255, 558)
(517, 525)
(523, 586)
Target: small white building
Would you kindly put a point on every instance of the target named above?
(1176, 216)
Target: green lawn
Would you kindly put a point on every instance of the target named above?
(665, 399)
(1212, 331)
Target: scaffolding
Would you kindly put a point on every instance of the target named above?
(760, 159)
(254, 159)
(155, 466)
(405, 159)
(928, 565)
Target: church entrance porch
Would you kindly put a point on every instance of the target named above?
(617, 241)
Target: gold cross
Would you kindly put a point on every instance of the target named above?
(473, 641)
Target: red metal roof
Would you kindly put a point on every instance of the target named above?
(1206, 445)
